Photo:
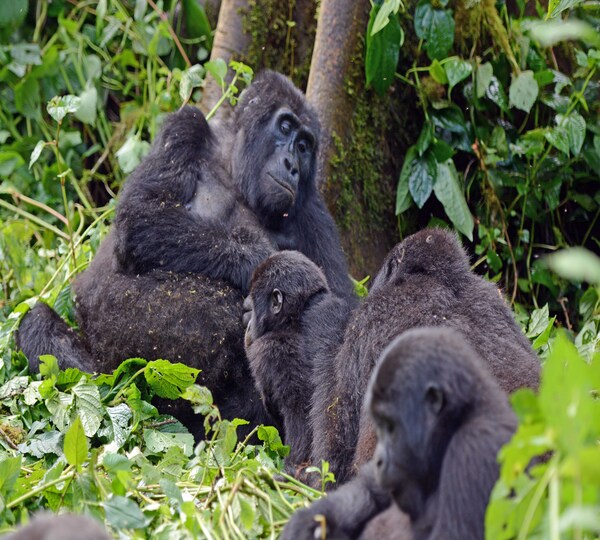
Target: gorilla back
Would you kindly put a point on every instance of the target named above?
(202, 210)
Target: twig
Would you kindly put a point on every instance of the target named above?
(8, 439)
(563, 301)
(162, 15)
(163, 423)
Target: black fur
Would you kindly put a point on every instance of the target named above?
(441, 419)
(63, 527)
(202, 210)
(424, 281)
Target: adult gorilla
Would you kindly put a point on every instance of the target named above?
(311, 358)
(441, 419)
(203, 209)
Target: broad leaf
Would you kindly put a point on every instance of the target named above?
(76, 444)
(383, 50)
(450, 193)
(485, 72)
(457, 70)
(196, 21)
(88, 406)
(523, 91)
(169, 380)
(575, 127)
(123, 513)
(436, 28)
(421, 178)
(403, 198)
(59, 107)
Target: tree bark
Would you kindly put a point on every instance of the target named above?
(337, 29)
(230, 43)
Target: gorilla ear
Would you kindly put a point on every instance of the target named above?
(434, 396)
(276, 301)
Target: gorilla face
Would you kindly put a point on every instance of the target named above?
(282, 287)
(415, 417)
(275, 148)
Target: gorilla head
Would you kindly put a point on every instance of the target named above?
(428, 385)
(275, 147)
(282, 287)
(432, 252)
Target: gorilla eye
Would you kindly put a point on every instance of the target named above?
(285, 127)
(303, 147)
(276, 301)
(435, 398)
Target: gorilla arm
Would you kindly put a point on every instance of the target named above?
(346, 510)
(179, 212)
(172, 239)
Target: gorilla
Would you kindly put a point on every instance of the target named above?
(441, 419)
(294, 318)
(424, 281)
(202, 210)
(63, 527)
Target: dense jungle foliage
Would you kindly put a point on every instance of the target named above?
(508, 99)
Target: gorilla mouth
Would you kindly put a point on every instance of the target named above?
(284, 185)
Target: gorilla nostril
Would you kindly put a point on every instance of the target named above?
(379, 463)
(287, 163)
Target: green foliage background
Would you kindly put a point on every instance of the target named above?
(509, 154)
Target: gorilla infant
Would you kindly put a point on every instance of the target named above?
(424, 281)
(202, 210)
(63, 527)
(441, 419)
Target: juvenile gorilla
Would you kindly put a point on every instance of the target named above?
(425, 281)
(441, 419)
(193, 221)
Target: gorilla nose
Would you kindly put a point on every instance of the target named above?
(290, 166)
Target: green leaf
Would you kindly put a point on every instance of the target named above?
(76, 445)
(496, 93)
(437, 72)
(131, 153)
(36, 152)
(576, 264)
(421, 178)
(523, 91)
(538, 321)
(449, 192)
(158, 441)
(27, 97)
(442, 151)
(123, 513)
(140, 9)
(196, 21)
(484, 75)
(10, 467)
(191, 78)
(403, 198)
(559, 138)
(575, 126)
(89, 406)
(549, 33)
(169, 380)
(13, 13)
(48, 366)
(383, 51)
(424, 139)
(59, 107)
(384, 12)
(457, 70)
(436, 28)
(87, 109)
(218, 69)
(556, 7)
(566, 396)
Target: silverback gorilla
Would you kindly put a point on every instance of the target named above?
(305, 348)
(203, 209)
(441, 419)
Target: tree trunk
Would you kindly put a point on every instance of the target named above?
(338, 28)
(360, 148)
(230, 43)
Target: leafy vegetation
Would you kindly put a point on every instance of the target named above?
(509, 147)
